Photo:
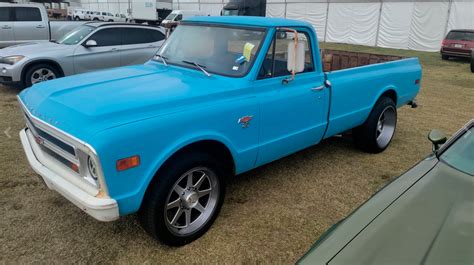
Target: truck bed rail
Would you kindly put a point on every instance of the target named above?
(334, 60)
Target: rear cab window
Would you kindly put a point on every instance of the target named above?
(24, 14)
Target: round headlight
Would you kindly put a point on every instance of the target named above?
(92, 167)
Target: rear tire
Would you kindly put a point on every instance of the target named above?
(375, 135)
(39, 73)
(171, 198)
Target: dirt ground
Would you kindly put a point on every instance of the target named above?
(271, 215)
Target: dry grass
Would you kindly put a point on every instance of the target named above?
(271, 215)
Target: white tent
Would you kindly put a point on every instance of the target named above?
(403, 24)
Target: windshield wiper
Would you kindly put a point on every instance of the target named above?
(163, 59)
(200, 67)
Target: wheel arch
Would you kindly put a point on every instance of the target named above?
(214, 146)
(41, 61)
(389, 92)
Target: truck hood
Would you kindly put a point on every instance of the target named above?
(431, 223)
(85, 104)
(35, 49)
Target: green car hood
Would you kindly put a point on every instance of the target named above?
(430, 222)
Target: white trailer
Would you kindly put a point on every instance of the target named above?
(150, 11)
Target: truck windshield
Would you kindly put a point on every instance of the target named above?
(219, 50)
(460, 155)
(171, 16)
(77, 35)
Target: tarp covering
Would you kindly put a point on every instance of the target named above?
(353, 23)
(314, 13)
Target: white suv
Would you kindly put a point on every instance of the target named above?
(79, 15)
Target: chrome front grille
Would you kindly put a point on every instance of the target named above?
(54, 147)
(48, 137)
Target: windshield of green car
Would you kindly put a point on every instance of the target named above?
(75, 36)
(460, 155)
(228, 51)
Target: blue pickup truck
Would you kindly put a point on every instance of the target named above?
(223, 95)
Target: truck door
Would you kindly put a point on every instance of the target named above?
(6, 27)
(293, 114)
(106, 54)
(29, 26)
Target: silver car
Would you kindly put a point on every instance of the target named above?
(90, 47)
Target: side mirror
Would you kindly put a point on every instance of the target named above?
(91, 43)
(437, 138)
(296, 56)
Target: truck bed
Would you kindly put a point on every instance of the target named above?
(334, 60)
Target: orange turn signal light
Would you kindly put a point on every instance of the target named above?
(75, 167)
(127, 163)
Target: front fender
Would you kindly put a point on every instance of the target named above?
(155, 140)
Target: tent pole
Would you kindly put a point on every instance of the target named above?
(378, 24)
(326, 25)
(447, 19)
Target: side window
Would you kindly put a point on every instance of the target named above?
(178, 17)
(276, 60)
(266, 71)
(5, 14)
(107, 37)
(27, 14)
(138, 36)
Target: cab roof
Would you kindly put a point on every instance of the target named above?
(249, 21)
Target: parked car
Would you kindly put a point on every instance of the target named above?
(105, 16)
(90, 47)
(458, 43)
(173, 19)
(92, 15)
(79, 14)
(96, 16)
(162, 138)
(120, 18)
(426, 216)
(21, 23)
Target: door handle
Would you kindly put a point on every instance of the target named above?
(6, 27)
(114, 49)
(40, 27)
(319, 88)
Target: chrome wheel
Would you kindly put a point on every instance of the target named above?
(192, 201)
(386, 126)
(41, 75)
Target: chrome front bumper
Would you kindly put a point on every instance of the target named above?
(102, 209)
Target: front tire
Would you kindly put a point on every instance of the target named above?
(184, 200)
(444, 57)
(375, 135)
(39, 73)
